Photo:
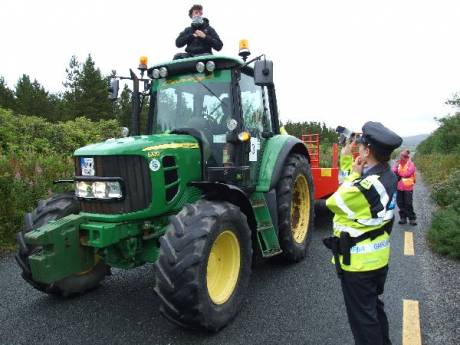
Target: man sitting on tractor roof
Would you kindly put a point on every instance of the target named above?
(199, 37)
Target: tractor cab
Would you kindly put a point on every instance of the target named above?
(219, 101)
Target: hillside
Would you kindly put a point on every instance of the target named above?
(413, 141)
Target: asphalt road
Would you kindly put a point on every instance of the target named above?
(285, 304)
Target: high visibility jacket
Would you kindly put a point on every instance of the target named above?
(361, 204)
(407, 172)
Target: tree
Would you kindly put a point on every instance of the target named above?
(86, 91)
(6, 95)
(33, 99)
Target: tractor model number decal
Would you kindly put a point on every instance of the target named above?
(154, 165)
(153, 154)
(87, 166)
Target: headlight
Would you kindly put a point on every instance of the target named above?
(163, 72)
(83, 189)
(156, 73)
(210, 66)
(98, 189)
(200, 67)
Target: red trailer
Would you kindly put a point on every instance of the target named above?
(326, 180)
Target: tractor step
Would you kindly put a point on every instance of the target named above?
(266, 233)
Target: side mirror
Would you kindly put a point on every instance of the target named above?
(263, 73)
(113, 89)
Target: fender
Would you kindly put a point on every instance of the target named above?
(276, 151)
(230, 193)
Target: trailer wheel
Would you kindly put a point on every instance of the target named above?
(295, 207)
(204, 265)
(56, 207)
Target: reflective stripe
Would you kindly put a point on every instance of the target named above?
(370, 221)
(383, 196)
(342, 206)
(389, 214)
(352, 231)
(347, 184)
(370, 247)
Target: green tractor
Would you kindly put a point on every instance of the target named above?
(209, 186)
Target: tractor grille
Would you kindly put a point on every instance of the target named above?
(171, 177)
(135, 174)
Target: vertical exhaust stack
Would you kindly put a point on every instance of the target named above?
(136, 114)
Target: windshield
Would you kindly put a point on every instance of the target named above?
(193, 101)
(199, 101)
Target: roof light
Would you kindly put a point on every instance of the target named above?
(200, 67)
(163, 72)
(143, 60)
(210, 66)
(244, 49)
(156, 73)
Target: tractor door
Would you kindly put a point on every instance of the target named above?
(257, 121)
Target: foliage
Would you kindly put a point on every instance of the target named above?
(86, 91)
(445, 139)
(444, 234)
(33, 153)
(438, 157)
(6, 95)
(327, 134)
(30, 133)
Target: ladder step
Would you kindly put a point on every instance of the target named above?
(264, 227)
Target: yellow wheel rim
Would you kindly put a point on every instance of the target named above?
(223, 267)
(300, 209)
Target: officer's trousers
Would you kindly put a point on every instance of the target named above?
(368, 321)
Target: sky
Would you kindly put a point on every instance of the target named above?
(335, 61)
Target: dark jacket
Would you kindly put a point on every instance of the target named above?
(197, 45)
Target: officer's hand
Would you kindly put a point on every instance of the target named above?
(347, 149)
(358, 165)
(199, 33)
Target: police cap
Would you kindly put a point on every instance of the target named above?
(380, 138)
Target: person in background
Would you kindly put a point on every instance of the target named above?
(200, 38)
(363, 208)
(404, 169)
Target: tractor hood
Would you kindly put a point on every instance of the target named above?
(139, 145)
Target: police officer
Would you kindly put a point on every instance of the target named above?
(363, 218)
(200, 38)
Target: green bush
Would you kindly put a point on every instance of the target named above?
(33, 153)
(444, 234)
(437, 167)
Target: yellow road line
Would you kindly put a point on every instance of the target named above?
(409, 243)
(411, 323)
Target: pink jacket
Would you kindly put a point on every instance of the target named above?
(407, 172)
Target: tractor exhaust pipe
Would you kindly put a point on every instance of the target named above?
(136, 114)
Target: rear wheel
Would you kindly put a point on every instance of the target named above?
(54, 208)
(295, 207)
(204, 265)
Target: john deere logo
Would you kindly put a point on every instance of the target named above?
(154, 165)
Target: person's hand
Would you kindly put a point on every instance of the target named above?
(347, 149)
(199, 33)
(358, 165)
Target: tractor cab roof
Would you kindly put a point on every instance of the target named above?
(188, 65)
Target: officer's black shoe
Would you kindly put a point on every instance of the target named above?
(412, 222)
(402, 221)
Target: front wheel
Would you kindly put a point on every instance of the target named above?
(295, 207)
(54, 208)
(204, 265)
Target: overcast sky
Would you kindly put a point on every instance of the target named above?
(336, 61)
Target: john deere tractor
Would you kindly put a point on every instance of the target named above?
(206, 188)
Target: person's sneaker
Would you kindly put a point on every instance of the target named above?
(402, 221)
(412, 222)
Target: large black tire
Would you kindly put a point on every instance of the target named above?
(183, 269)
(56, 207)
(295, 208)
